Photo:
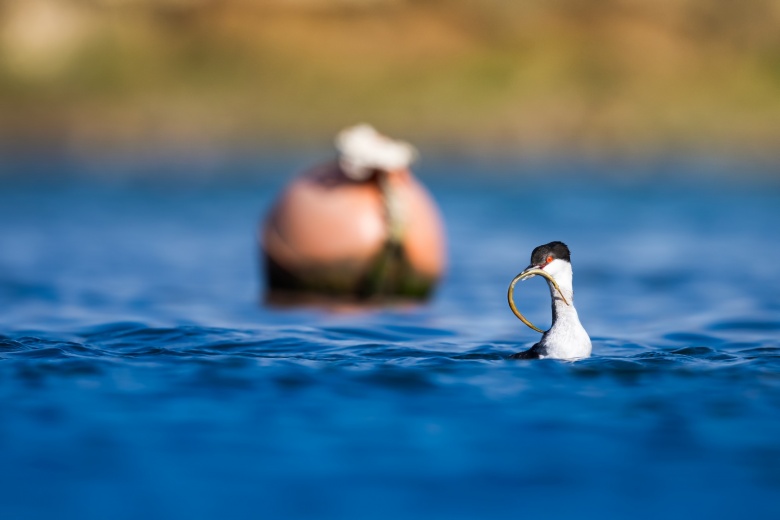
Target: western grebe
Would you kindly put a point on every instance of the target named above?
(566, 338)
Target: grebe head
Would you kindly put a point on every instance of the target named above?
(554, 258)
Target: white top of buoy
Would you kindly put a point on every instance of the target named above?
(362, 149)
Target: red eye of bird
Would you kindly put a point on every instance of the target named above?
(549, 259)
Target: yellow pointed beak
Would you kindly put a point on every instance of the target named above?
(529, 273)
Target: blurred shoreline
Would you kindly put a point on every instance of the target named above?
(621, 80)
(270, 170)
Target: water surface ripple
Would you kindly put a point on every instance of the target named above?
(140, 377)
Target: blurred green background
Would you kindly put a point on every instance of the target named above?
(540, 78)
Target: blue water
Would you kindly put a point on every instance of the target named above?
(141, 378)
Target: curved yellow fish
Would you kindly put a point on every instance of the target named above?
(528, 273)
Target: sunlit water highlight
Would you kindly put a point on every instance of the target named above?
(139, 377)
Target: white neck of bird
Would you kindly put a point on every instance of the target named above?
(563, 275)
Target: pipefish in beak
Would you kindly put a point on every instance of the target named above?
(530, 273)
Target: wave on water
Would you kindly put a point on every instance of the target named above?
(400, 346)
(139, 378)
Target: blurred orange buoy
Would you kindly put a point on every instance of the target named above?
(359, 228)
